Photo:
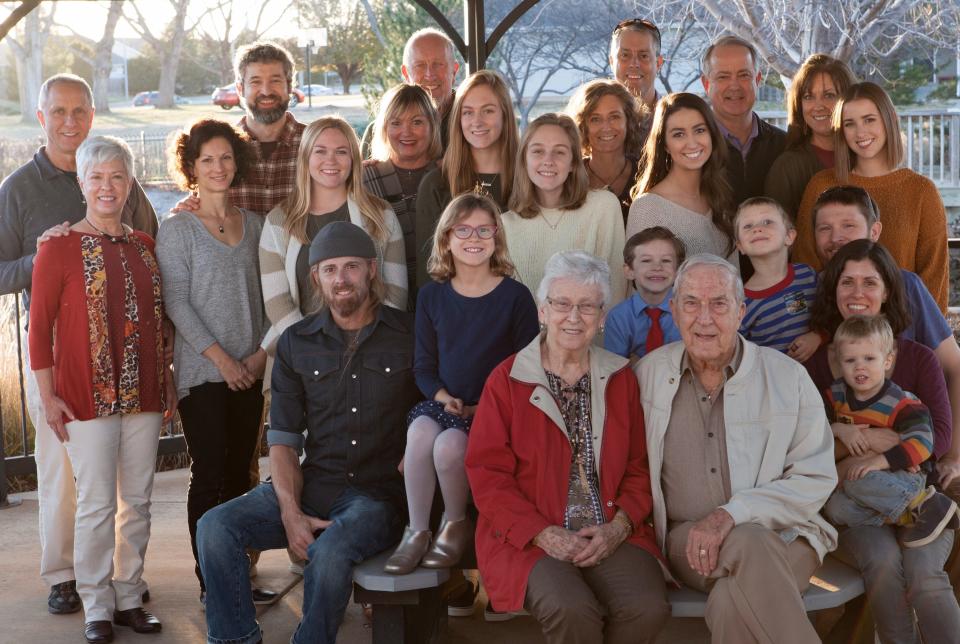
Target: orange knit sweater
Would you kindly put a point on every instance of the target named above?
(914, 224)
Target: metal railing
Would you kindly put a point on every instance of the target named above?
(21, 462)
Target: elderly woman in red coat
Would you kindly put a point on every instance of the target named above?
(557, 464)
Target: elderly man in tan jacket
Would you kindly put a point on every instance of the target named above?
(741, 461)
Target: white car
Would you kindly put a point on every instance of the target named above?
(316, 90)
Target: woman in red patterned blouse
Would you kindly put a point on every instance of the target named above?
(97, 349)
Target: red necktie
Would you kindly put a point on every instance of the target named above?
(655, 333)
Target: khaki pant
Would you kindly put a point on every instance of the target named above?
(56, 493)
(621, 600)
(113, 460)
(755, 589)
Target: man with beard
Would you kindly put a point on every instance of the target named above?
(344, 374)
(730, 74)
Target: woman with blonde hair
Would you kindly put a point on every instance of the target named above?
(683, 186)
(479, 157)
(553, 208)
(406, 142)
(814, 92)
(328, 188)
(609, 121)
(468, 321)
(869, 154)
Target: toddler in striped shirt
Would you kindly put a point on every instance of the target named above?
(778, 294)
(884, 484)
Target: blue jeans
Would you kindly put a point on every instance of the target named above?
(875, 499)
(361, 528)
(900, 582)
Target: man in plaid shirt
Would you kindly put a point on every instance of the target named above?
(264, 81)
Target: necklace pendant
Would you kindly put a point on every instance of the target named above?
(221, 228)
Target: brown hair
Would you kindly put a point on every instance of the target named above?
(457, 164)
(584, 103)
(844, 158)
(655, 161)
(848, 196)
(296, 206)
(839, 72)
(651, 234)
(728, 41)
(635, 24)
(865, 327)
(825, 314)
(523, 199)
(395, 102)
(185, 147)
(441, 266)
(753, 202)
(264, 52)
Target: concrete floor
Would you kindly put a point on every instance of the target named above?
(169, 572)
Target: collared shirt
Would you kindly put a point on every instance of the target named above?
(628, 324)
(39, 195)
(742, 146)
(269, 180)
(696, 471)
(351, 400)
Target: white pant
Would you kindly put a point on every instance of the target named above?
(111, 457)
(56, 492)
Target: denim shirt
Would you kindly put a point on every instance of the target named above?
(352, 407)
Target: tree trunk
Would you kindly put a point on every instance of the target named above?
(346, 72)
(103, 60)
(29, 57)
(171, 57)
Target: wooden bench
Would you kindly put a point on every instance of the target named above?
(409, 608)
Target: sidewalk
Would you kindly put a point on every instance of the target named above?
(174, 590)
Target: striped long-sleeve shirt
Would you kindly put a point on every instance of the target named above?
(778, 315)
(893, 408)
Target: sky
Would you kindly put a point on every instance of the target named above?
(87, 18)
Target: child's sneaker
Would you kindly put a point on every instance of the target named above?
(932, 517)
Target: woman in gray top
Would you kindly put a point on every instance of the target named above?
(211, 287)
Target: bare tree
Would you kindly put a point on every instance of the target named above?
(103, 59)
(225, 30)
(28, 43)
(168, 45)
(350, 39)
(785, 33)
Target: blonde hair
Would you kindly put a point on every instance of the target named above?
(523, 199)
(395, 102)
(296, 206)
(457, 166)
(866, 327)
(843, 157)
(584, 101)
(441, 266)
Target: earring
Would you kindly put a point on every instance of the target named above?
(601, 328)
(543, 327)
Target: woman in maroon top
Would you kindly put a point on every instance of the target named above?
(863, 279)
(96, 347)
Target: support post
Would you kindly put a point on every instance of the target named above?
(476, 32)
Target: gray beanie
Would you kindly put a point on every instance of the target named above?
(341, 239)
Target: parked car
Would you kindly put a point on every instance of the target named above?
(227, 97)
(151, 98)
(317, 90)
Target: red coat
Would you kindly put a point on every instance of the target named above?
(518, 463)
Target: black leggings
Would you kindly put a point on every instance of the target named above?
(221, 428)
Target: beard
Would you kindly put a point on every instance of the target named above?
(345, 306)
(268, 116)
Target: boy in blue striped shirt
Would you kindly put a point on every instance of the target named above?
(778, 294)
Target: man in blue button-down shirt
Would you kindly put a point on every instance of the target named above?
(344, 374)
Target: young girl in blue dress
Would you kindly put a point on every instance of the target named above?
(469, 319)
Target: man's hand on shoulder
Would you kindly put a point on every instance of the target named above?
(190, 203)
(60, 230)
(705, 539)
(300, 529)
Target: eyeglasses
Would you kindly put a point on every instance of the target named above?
(587, 309)
(463, 231)
(637, 23)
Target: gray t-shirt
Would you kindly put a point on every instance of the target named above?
(212, 293)
(309, 302)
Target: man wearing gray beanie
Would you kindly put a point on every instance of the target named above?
(345, 374)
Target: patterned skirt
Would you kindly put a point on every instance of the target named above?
(433, 409)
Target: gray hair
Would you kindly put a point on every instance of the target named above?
(101, 149)
(63, 78)
(579, 266)
(421, 33)
(727, 41)
(706, 259)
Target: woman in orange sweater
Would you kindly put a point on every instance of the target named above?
(869, 153)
